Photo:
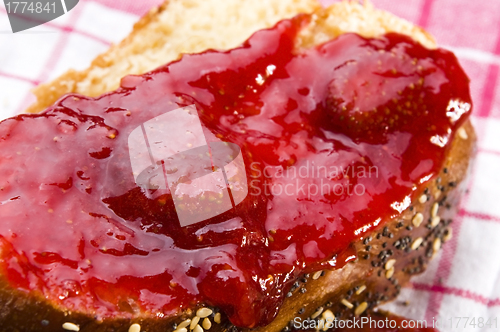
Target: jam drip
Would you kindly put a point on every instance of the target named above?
(336, 141)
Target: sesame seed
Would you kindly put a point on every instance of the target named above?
(328, 314)
(361, 290)
(422, 199)
(217, 318)
(194, 322)
(361, 308)
(390, 263)
(447, 235)
(70, 327)
(436, 245)
(389, 273)
(134, 328)
(437, 194)
(317, 313)
(417, 243)
(184, 324)
(435, 221)
(207, 324)
(197, 328)
(434, 210)
(462, 133)
(182, 329)
(347, 303)
(204, 312)
(417, 219)
(316, 275)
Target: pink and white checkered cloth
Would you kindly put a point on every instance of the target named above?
(464, 279)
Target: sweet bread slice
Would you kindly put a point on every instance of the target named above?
(164, 34)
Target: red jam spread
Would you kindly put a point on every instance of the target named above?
(336, 140)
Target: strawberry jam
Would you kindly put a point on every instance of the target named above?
(336, 141)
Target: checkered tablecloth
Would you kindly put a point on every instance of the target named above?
(464, 279)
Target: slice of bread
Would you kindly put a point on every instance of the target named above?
(179, 27)
(164, 34)
(192, 26)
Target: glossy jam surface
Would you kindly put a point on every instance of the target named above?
(336, 140)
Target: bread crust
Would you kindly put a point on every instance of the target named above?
(31, 312)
